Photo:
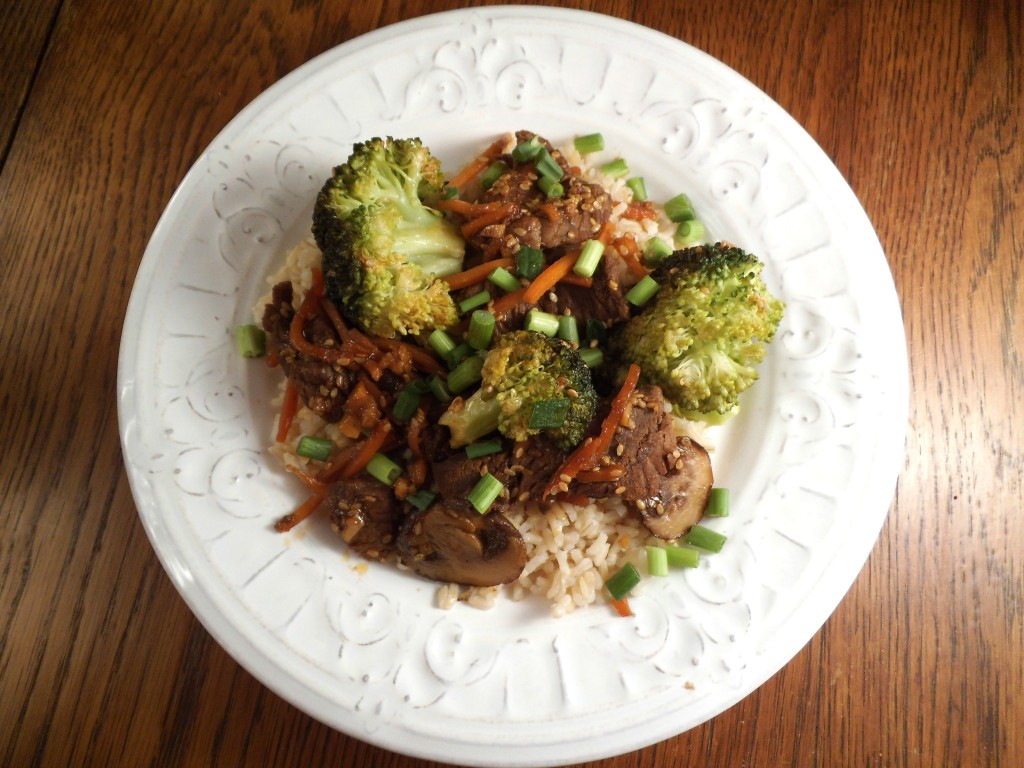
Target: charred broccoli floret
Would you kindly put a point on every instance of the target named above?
(383, 247)
(531, 385)
(701, 335)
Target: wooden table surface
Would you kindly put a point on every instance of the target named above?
(105, 104)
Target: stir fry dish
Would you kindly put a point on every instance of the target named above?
(504, 377)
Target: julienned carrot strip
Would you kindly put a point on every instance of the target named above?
(371, 446)
(621, 606)
(331, 472)
(476, 166)
(292, 519)
(476, 274)
(601, 474)
(420, 357)
(473, 226)
(546, 280)
(625, 246)
(507, 302)
(314, 484)
(579, 280)
(289, 408)
(466, 208)
(587, 454)
(606, 233)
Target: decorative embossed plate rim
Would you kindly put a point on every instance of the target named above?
(812, 459)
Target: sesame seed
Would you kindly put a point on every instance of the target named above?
(563, 487)
(524, 496)
(565, 478)
(620, 449)
(619, 490)
(641, 504)
(519, 452)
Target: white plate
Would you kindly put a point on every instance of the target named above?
(811, 461)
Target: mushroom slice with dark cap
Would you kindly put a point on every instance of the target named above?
(682, 496)
(452, 542)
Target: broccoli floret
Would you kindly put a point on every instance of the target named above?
(383, 247)
(701, 335)
(523, 369)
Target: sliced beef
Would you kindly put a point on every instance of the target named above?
(523, 469)
(537, 220)
(667, 477)
(604, 300)
(366, 514)
(322, 386)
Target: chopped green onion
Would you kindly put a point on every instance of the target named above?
(486, 448)
(504, 279)
(457, 355)
(441, 342)
(718, 503)
(550, 188)
(438, 389)
(496, 169)
(484, 493)
(406, 403)
(643, 291)
(638, 188)
(689, 233)
(384, 469)
(591, 142)
(656, 250)
(592, 356)
(568, 329)
(466, 374)
(547, 166)
(318, 448)
(657, 561)
(589, 258)
(597, 331)
(705, 538)
(419, 386)
(549, 414)
(679, 209)
(252, 340)
(481, 329)
(682, 557)
(450, 193)
(616, 168)
(621, 583)
(527, 150)
(529, 262)
(474, 301)
(541, 322)
(421, 499)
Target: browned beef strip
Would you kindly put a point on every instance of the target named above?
(603, 300)
(322, 386)
(539, 221)
(366, 514)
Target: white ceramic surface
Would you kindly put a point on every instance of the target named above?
(811, 461)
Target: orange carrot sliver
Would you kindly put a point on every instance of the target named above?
(621, 606)
(508, 301)
(578, 280)
(476, 166)
(586, 455)
(602, 474)
(288, 410)
(473, 226)
(292, 519)
(476, 274)
(314, 484)
(366, 451)
(551, 275)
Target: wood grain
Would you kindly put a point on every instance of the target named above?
(104, 107)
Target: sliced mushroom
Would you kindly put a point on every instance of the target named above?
(365, 514)
(452, 542)
(683, 493)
